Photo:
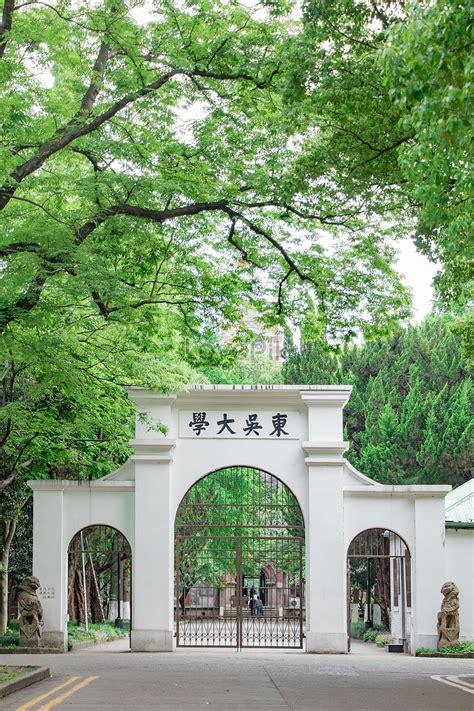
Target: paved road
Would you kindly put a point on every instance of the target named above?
(109, 678)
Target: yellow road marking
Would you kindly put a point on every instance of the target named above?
(69, 692)
(37, 699)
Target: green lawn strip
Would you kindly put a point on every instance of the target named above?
(98, 632)
(10, 673)
(462, 648)
(11, 638)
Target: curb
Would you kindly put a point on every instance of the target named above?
(439, 655)
(30, 650)
(89, 643)
(31, 677)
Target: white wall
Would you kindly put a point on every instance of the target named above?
(337, 503)
(60, 510)
(460, 569)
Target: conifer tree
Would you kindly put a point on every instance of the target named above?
(409, 417)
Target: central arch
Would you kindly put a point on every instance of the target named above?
(239, 562)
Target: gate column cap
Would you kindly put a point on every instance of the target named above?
(156, 449)
(330, 396)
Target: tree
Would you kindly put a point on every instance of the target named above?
(156, 159)
(11, 504)
(429, 64)
(409, 416)
(387, 120)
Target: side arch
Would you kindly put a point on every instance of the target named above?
(379, 587)
(99, 577)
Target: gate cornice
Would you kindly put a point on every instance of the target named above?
(325, 453)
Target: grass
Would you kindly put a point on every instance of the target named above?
(461, 648)
(98, 632)
(384, 638)
(9, 673)
(11, 638)
(372, 634)
(358, 631)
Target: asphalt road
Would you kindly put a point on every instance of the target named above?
(109, 678)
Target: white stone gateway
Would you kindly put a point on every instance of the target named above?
(301, 443)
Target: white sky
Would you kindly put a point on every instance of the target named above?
(418, 274)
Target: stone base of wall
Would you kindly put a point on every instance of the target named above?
(55, 638)
(152, 641)
(326, 642)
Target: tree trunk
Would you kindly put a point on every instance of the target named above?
(382, 589)
(97, 610)
(73, 563)
(112, 606)
(78, 599)
(7, 534)
(97, 613)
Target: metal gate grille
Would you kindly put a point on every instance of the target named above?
(239, 563)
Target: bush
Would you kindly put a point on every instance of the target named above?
(98, 632)
(357, 629)
(11, 638)
(372, 634)
(384, 638)
(462, 648)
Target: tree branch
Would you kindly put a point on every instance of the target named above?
(6, 24)
(146, 213)
(280, 290)
(77, 127)
(279, 247)
(234, 243)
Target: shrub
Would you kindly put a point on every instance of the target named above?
(11, 638)
(372, 634)
(462, 648)
(357, 629)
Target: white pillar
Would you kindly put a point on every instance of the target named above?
(428, 566)
(153, 570)
(326, 568)
(50, 562)
(326, 564)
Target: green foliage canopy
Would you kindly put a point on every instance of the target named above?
(150, 164)
(387, 122)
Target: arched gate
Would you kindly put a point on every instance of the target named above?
(239, 547)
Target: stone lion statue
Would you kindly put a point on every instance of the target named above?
(31, 613)
(448, 617)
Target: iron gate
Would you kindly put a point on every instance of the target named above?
(239, 555)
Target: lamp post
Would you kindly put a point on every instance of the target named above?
(118, 619)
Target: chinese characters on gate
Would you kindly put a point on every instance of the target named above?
(227, 426)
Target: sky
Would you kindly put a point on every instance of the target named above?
(418, 273)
